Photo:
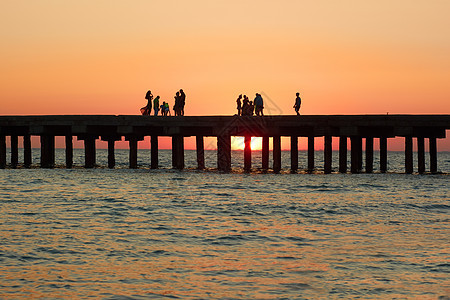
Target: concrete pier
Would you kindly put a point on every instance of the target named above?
(358, 128)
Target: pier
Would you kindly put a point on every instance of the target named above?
(355, 129)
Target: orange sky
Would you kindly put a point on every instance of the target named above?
(344, 57)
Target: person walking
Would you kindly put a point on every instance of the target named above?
(298, 103)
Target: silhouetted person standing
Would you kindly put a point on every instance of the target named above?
(156, 105)
(177, 105)
(298, 103)
(146, 110)
(239, 105)
(182, 101)
(259, 105)
(245, 106)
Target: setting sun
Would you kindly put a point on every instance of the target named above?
(237, 143)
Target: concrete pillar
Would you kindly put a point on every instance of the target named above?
(133, 144)
(47, 151)
(154, 152)
(276, 153)
(433, 155)
(178, 152)
(111, 153)
(421, 154)
(27, 158)
(355, 148)
(89, 151)
(369, 154)
(247, 153)
(328, 152)
(2, 152)
(408, 155)
(69, 151)
(360, 154)
(224, 153)
(200, 152)
(310, 153)
(383, 154)
(14, 151)
(294, 154)
(343, 154)
(265, 153)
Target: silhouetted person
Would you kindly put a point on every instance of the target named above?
(298, 103)
(156, 105)
(239, 105)
(146, 110)
(259, 105)
(182, 101)
(251, 108)
(245, 106)
(177, 105)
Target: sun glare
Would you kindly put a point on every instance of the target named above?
(237, 143)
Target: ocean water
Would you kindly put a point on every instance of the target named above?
(155, 234)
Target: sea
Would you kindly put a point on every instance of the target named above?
(167, 234)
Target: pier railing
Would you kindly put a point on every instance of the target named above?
(355, 128)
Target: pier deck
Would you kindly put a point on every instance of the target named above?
(355, 128)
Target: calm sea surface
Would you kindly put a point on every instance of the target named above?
(144, 234)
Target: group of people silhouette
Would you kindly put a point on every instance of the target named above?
(248, 108)
(178, 108)
(245, 107)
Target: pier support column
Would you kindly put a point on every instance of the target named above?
(111, 139)
(89, 150)
(310, 153)
(421, 154)
(178, 152)
(277, 154)
(154, 152)
(360, 155)
(27, 158)
(69, 151)
(433, 155)
(328, 152)
(265, 153)
(294, 154)
(200, 146)
(356, 153)
(247, 153)
(133, 144)
(369, 154)
(224, 153)
(111, 153)
(14, 151)
(47, 151)
(343, 154)
(2, 152)
(383, 154)
(408, 155)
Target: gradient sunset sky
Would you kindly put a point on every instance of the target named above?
(344, 57)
